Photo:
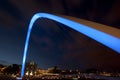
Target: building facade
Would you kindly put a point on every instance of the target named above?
(31, 69)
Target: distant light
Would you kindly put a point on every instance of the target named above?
(31, 73)
(19, 78)
(27, 73)
(105, 39)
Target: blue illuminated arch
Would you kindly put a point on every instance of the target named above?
(103, 38)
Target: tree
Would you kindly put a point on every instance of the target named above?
(91, 70)
(1, 66)
(12, 69)
(55, 69)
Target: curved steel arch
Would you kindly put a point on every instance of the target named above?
(103, 38)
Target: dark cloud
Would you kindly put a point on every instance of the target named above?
(9, 8)
(101, 11)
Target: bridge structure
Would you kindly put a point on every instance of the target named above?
(106, 35)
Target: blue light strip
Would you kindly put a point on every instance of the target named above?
(103, 38)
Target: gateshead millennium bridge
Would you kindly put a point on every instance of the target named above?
(108, 36)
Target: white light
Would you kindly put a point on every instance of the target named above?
(31, 73)
(26, 73)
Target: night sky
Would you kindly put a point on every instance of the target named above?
(52, 43)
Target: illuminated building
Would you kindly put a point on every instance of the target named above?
(30, 69)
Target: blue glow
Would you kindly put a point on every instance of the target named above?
(103, 38)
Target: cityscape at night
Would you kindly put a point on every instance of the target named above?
(59, 40)
(33, 72)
